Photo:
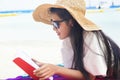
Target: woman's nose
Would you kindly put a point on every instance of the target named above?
(54, 29)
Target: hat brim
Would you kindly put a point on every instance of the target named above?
(41, 14)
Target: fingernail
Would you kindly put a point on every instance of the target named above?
(34, 70)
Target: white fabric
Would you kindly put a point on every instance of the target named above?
(67, 53)
(93, 59)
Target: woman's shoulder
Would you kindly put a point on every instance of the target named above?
(88, 35)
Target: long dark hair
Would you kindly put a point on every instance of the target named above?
(110, 49)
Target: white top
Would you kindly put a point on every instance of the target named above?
(93, 59)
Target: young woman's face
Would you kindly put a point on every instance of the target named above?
(61, 27)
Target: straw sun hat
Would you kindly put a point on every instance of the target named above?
(76, 8)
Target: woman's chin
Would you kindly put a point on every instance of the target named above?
(61, 38)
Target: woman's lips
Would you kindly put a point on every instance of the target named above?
(58, 34)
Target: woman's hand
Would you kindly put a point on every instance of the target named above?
(45, 71)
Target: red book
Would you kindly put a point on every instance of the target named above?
(26, 63)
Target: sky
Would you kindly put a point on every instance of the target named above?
(31, 4)
(21, 4)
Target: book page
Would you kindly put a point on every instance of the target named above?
(26, 58)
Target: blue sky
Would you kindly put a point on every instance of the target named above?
(31, 4)
(21, 4)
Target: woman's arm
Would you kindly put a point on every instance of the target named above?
(47, 70)
(73, 74)
(70, 74)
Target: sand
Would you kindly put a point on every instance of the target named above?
(44, 51)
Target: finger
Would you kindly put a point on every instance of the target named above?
(43, 68)
(40, 71)
(37, 62)
(46, 75)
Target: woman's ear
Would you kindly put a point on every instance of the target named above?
(71, 23)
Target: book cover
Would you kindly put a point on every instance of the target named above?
(25, 62)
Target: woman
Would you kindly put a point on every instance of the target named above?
(88, 54)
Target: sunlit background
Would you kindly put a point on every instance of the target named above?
(19, 32)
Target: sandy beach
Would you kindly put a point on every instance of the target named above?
(21, 33)
(42, 51)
